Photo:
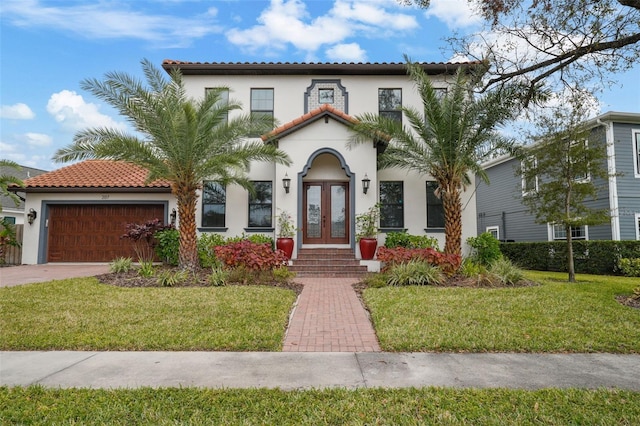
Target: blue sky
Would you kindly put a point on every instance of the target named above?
(48, 46)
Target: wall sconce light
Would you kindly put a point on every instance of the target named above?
(365, 183)
(173, 216)
(286, 183)
(31, 216)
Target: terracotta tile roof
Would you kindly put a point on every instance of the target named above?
(308, 118)
(95, 174)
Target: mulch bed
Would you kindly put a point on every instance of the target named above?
(132, 279)
(629, 301)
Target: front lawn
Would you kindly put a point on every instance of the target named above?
(36, 405)
(553, 317)
(82, 314)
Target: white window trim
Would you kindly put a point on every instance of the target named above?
(524, 187)
(635, 133)
(551, 234)
(637, 223)
(494, 228)
(588, 177)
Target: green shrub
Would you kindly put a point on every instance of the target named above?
(261, 239)
(168, 247)
(218, 277)
(414, 272)
(206, 249)
(283, 274)
(146, 269)
(121, 265)
(470, 268)
(630, 267)
(485, 248)
(505, 272)
(170, 279)
(591, 257)
(403, 239)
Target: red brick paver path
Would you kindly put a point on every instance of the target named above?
(330, 318)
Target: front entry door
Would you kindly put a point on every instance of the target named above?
(326, 213)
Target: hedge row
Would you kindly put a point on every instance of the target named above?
(590, 257)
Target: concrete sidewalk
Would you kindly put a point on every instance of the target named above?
(317, 370)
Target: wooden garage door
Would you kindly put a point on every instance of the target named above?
(91, 233)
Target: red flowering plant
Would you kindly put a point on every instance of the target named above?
(142, 236)
(252, 256)
(449, 263)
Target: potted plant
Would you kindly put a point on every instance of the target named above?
(367, 232)
(286, 232)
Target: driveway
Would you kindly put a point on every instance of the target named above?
(25, 274)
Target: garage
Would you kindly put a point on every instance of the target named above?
(91, 232)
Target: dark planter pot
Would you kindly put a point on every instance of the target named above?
(368, 248)
(286, 245)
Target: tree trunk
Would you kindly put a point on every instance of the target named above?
(452, 219)
(570, 265)
(188, 254)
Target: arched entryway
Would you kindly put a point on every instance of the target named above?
(327, 200)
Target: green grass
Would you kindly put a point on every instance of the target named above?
(82, 314)
(553, 317)
(36, 405)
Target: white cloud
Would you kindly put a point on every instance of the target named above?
(70, 109)
(455, 13)
(350, 52)
(287, 23)
(111, 20)
(18, 111)
(37, 140)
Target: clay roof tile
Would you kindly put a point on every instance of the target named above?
(95, 174)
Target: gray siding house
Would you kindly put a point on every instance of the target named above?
(10, 212)
(499, 204)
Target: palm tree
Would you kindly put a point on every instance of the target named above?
(445, 140)
(8, 179)
(182, 140)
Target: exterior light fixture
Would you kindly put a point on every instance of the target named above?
(31, 216)
(365, 183)
(286, 183)
(173, 216)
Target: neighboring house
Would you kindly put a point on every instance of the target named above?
(314, 104)
(499, 204)
(12, 213)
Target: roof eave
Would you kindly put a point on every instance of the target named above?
(222, 68)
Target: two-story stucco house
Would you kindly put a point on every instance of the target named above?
(499, 204)
(323, 188)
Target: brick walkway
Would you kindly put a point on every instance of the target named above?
(329, 318)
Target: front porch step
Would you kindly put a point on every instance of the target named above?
(329, 262)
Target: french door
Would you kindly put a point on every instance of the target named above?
(326, 213)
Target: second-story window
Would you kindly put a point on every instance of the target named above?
(390, 103)
(260, 205)
(636, 152)
(262, 102)
(214, 200)
(391, 204)
(529, 180)
(222, 101)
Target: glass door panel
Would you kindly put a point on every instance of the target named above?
(326, 213)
